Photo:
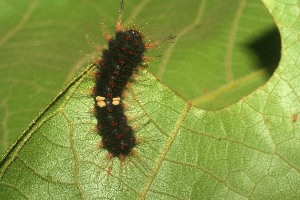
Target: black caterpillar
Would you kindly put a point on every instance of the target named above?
(123, 56)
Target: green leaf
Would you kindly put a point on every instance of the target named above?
(43, 46)
(246, 150)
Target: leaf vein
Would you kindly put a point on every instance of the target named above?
(21, 23)
(187, 29)
(167, 146)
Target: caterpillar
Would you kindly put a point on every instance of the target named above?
(125, 53)
(118, 63)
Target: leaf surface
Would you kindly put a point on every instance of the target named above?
(246, 150)
(224, 50)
